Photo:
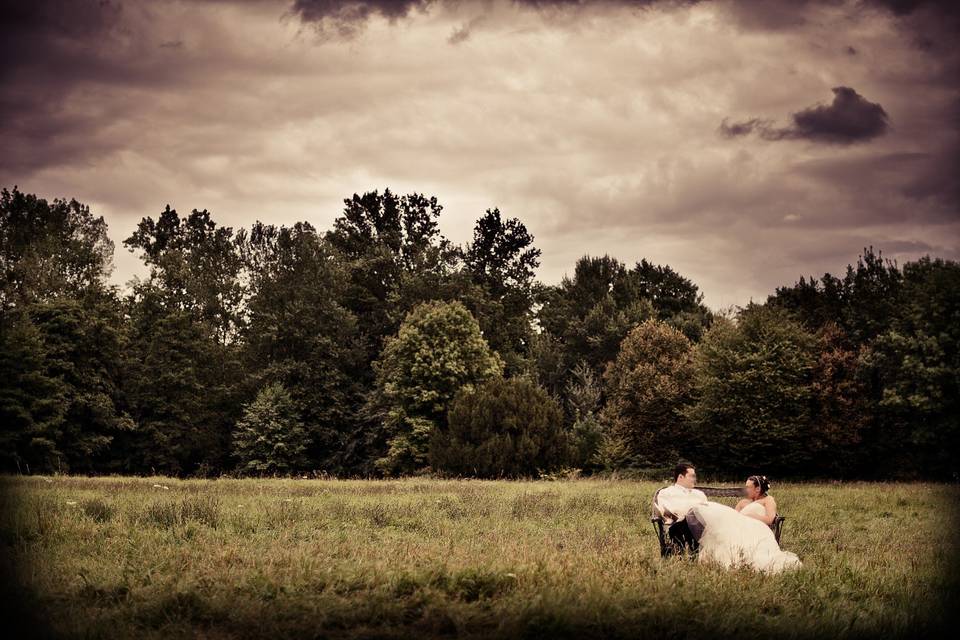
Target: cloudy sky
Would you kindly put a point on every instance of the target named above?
(744, 143)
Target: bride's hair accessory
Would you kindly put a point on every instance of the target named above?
(761, 482)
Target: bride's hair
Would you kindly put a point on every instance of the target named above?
(761, 482)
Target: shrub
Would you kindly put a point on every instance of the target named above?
(504, 428)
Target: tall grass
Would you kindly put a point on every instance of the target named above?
(160, 557)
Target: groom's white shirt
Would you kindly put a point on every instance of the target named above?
(679, 500)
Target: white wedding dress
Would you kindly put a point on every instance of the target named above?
(732, 539)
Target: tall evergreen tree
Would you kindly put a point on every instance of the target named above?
(32, 400)
(270, 438)
(84, 348)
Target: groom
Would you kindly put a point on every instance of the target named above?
(675, 503)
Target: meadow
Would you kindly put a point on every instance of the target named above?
(242, 558)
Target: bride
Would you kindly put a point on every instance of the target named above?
(742, 535)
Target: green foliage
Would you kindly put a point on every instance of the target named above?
(270, 437)
(49, 249)
(648, 386)
(185, 375)
(506, 427)
(752, 398)
(438, 351)
(393, 247)
(61, 400)
(583, 395)
(84, 348)
(299, 334)
(31, 399)
(901, 327)
(916, 369)
(862, 303)
(591, 313)
(373, 327)
(197, 266)
(841, 408)
(183, 389)
(503, 261)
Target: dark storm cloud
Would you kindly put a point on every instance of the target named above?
(849, 118)
(348, 17)
(50, 49)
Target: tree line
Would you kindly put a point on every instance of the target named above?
(379, 348)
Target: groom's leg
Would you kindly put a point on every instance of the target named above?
(681, 535)
(695, 527)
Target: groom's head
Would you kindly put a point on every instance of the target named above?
(685, 475)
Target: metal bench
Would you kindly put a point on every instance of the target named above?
(668, 547)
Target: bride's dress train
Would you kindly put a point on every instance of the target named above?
(731, 538)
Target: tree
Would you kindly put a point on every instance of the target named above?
(592, 312)
(32, 402)
(196, 264)
(676, 299)
(583, 394)
(506, 427)
(841, 411)
(270, 438)
(648, 385)
(392, 245)
(914, 367)
(299, 334)
(752, 396)
(862, 303)
(183, 388)
(185, 384)
(503, 261)
(61, 402)
(49, 249)
(84, 348)
(437, 351)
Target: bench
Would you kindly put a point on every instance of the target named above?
(668, 547)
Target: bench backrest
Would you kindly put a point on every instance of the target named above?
(710, 492)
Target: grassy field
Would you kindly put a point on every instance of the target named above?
(160, 558)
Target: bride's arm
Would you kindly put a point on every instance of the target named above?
(742, 504)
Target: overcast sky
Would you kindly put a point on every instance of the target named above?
(743, 143)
